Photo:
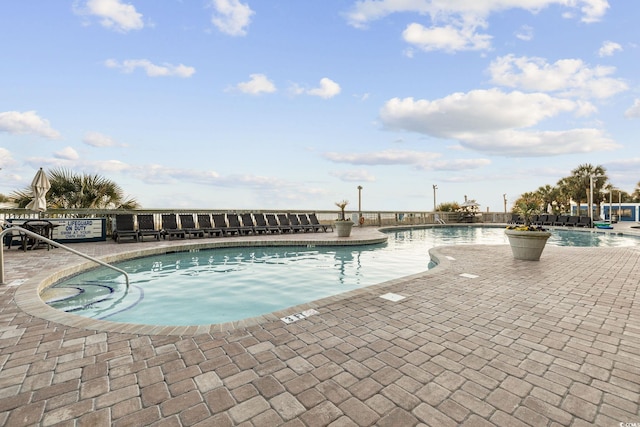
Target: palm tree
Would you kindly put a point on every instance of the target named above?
(570, 189)
(636, 193)
(74, 191)
(548, 195)
(527, 205)
(583, 174)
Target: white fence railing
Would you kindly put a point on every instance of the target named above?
(371, 218)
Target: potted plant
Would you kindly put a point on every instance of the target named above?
(527, 241)
(343, 225)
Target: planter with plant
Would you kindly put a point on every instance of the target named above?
(343, 225)
(527, 241)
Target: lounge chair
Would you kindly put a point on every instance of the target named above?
(294, 223)
(42, 227)
(125, 227)
(550, 220)
(248, 226)
(204, 222)
(514, 219)
(305, 224)
(284, 227)
(584, 221)
(234, 224)
(573, 220)
(170, 227)
(220, 222)
(188, 225)
(14, 236)
(252, 220)
(261, 226)
(313, 218)
(539, 219)
(561, 220)
(272, 224)
(147, 227)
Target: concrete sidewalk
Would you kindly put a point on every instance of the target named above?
(480, 340)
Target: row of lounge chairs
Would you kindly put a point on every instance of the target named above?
(213, 225)
(555, 220)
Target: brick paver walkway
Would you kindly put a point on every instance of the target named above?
(480, 340)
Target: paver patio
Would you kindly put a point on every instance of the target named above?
(480, 340)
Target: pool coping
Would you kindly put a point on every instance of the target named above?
(27, 296)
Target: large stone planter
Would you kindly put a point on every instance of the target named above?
(343, 228)
(527, 245)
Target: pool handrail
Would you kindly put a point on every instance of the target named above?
(53, 243)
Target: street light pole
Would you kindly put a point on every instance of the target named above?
(591, 196)
(610, 204)
(360, 204)
(435, 187)
(504, 198)
(619, 205)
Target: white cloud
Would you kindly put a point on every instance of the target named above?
(96, 139)
(15, 122)
(525, 33)
(421, 160)
(593, 10)
(152, 70)
(478, 111)
(328, 89)
(366, 11)
(5, 158)
(456, 164)
(113, 14)
(359, 175)
(491, 121)
(448, 38)
(608, 48)
(258, 84)
(634, 111)
(386, 157)
(568, 77)
(454, 24)
(515, 143)
(67, 153)
(231, 17)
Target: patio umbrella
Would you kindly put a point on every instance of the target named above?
(40, 185)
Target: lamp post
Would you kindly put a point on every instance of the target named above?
(610, 204)
(360, 204)
(504, 199)
(619, 205)
(591, 196)
(435, 187)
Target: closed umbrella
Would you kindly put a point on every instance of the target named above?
(40, 185)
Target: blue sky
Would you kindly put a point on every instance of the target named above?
(278, 104)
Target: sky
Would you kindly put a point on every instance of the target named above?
(290, 104)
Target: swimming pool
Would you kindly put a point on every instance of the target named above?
(221, 285)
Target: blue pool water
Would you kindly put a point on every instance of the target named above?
(221, 285)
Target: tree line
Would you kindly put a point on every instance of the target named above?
(574, 188)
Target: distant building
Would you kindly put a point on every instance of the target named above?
(621, 212)
(616, 211)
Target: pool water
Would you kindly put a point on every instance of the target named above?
(221, 285)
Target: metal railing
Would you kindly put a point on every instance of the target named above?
(52, 243)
